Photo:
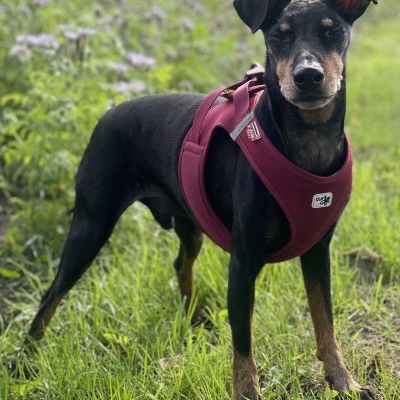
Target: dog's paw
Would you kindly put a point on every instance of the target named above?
(363, 392)
(248, 396)
(348, 385)
(200, 318)
(245, 379)
(252, 394)
(21, 365)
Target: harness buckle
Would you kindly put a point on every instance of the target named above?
(256, 71)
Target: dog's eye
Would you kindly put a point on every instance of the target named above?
(282, 36)
(334, 32)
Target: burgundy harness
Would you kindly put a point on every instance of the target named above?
(312, 204)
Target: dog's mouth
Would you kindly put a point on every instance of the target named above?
(311, 102)
(313, 98)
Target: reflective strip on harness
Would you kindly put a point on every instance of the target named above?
(241, 125)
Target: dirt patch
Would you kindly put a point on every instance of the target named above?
(390, 349)
(378, 336)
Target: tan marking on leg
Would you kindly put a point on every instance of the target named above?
(42, 319)
(185, 279)
(245, 378)
(328, 350)
(185, 275)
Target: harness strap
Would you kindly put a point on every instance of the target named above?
(201, 115)
(192, 160)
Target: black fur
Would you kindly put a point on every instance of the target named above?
(133, 155)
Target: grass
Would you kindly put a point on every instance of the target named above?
(122, 334)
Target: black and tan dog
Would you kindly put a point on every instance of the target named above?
(134, 151)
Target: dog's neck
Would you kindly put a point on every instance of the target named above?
(312, 139)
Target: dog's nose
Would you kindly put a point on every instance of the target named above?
(307, 78)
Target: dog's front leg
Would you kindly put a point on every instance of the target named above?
(316, 272)
(240, 307)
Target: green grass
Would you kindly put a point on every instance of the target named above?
(122, 333)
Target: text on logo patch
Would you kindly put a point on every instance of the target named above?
(321, 200)
(252, 132)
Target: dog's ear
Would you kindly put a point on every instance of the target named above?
(350, 10)
(258, 14)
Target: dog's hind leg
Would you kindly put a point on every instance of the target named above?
(101, 196)
(316, 272)
(191, 240)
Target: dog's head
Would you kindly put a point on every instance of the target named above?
(307, 43)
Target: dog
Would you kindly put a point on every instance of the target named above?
(135, 151)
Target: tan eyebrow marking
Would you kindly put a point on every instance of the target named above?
(284, 27)
(327, 22)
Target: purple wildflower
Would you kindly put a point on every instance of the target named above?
(118, 67)
(76, 35)
(86, 31)
(41, 40)
(187, 23)
(140, 60)
(71, 35)
(171, 54)
(155, 14)
(40, 3)
(198, 8)
(196, 5)
(19, 50)
(64, 26)
(133, 86)
(118, 21)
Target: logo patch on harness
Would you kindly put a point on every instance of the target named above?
(252, 132)
(321, 200)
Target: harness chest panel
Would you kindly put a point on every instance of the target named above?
(312, 204)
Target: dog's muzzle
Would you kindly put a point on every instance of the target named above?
(308, 73)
